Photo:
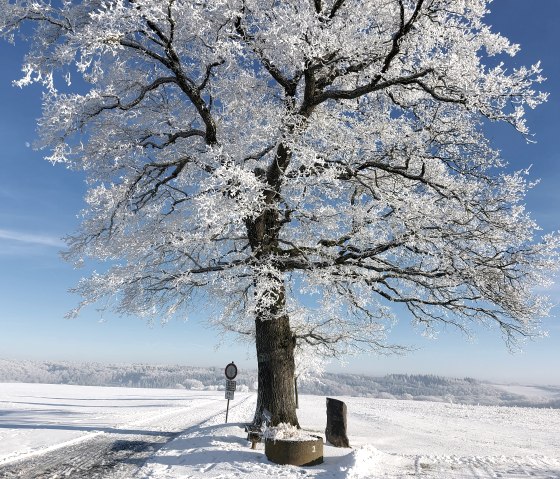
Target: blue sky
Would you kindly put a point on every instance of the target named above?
(39, 203)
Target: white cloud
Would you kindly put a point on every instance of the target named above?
(43, 240)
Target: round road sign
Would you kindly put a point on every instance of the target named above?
(231, 371)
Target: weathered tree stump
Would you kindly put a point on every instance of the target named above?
(336, 423)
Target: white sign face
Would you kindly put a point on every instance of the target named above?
(229, 394)
(231, 385)
(231, 371)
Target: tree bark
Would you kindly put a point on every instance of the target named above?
(274, 339)
(275, 356)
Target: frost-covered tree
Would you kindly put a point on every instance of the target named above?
(307, 159)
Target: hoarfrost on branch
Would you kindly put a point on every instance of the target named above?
(312, 159)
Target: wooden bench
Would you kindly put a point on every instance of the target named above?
(254, 431)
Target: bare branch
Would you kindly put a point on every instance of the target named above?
(288, 85)
(336, 7)
(371, 87)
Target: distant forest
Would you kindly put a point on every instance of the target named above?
(392, 386)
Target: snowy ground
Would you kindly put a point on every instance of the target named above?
(34, 417)
(390, 439)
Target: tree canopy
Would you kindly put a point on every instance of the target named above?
(311, 159)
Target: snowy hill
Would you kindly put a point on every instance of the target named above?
(436, 388)
(122, 375)
(393, 386)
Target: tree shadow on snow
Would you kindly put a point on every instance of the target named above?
(71, 405)
(131, 398)
(206, 448)
(83, 428)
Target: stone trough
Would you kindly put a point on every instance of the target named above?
(308, 452)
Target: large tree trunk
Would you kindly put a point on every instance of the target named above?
(275, 355)
(273, 335)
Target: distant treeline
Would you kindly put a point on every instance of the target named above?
(424, 387)
(392, 386)
(122, 375)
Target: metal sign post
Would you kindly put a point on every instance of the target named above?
(231, 373)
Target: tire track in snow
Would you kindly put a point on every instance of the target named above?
(496, 467)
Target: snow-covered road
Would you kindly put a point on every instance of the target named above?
(49, 431)
(80, 432)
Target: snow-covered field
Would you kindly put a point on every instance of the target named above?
(35, 417)
(390, 439)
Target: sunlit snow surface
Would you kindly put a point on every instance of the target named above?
(34, 417)
(390, 439)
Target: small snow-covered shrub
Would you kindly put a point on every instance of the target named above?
(194, 384)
